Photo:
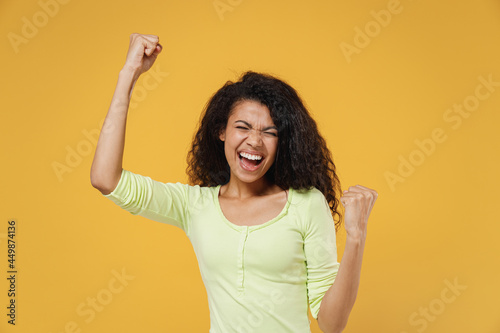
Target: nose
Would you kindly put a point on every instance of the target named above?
(255, 137)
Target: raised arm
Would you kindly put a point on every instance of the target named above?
(107, 164)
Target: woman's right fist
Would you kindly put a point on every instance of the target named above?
(142, 52)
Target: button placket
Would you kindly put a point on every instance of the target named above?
(241, 261)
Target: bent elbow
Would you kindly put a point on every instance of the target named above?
(104, 190)
(100, 186)
(331, 327)
(107, 185)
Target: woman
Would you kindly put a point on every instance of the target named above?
(259, 208)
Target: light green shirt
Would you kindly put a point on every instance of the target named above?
(258, 278)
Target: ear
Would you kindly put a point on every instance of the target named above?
(222, 134)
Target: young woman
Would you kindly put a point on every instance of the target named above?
(259, 207)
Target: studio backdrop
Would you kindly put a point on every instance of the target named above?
(405, 92)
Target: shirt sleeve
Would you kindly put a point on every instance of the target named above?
(320, 248)
(161, 202)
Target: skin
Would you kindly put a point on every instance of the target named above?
(339, 299)
(248, 128)
(107, 164)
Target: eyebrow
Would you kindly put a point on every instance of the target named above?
(264, 129)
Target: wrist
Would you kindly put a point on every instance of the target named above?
(358, 236)
(129, 73)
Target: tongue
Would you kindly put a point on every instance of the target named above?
(250, 163)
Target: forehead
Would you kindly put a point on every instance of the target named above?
(251, 111)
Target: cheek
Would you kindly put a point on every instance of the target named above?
(230, 146)
(273, 149)
(274, 144)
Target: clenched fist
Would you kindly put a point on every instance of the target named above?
(142, 53)
(358, 202)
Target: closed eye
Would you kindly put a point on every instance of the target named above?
(270, 133)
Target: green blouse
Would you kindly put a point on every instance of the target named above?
(258, 278)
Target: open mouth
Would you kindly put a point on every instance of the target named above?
(248, 163)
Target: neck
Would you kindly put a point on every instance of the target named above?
(237, 189)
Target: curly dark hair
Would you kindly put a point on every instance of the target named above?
(310, 166)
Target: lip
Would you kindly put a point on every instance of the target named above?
(251, 152)
(251, 169)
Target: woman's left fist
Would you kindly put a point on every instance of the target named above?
(358, 202)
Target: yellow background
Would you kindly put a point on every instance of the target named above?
(438, 226)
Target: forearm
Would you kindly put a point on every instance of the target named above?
(339, 299)
(107, 164)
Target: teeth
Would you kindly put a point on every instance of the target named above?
(251, 157)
